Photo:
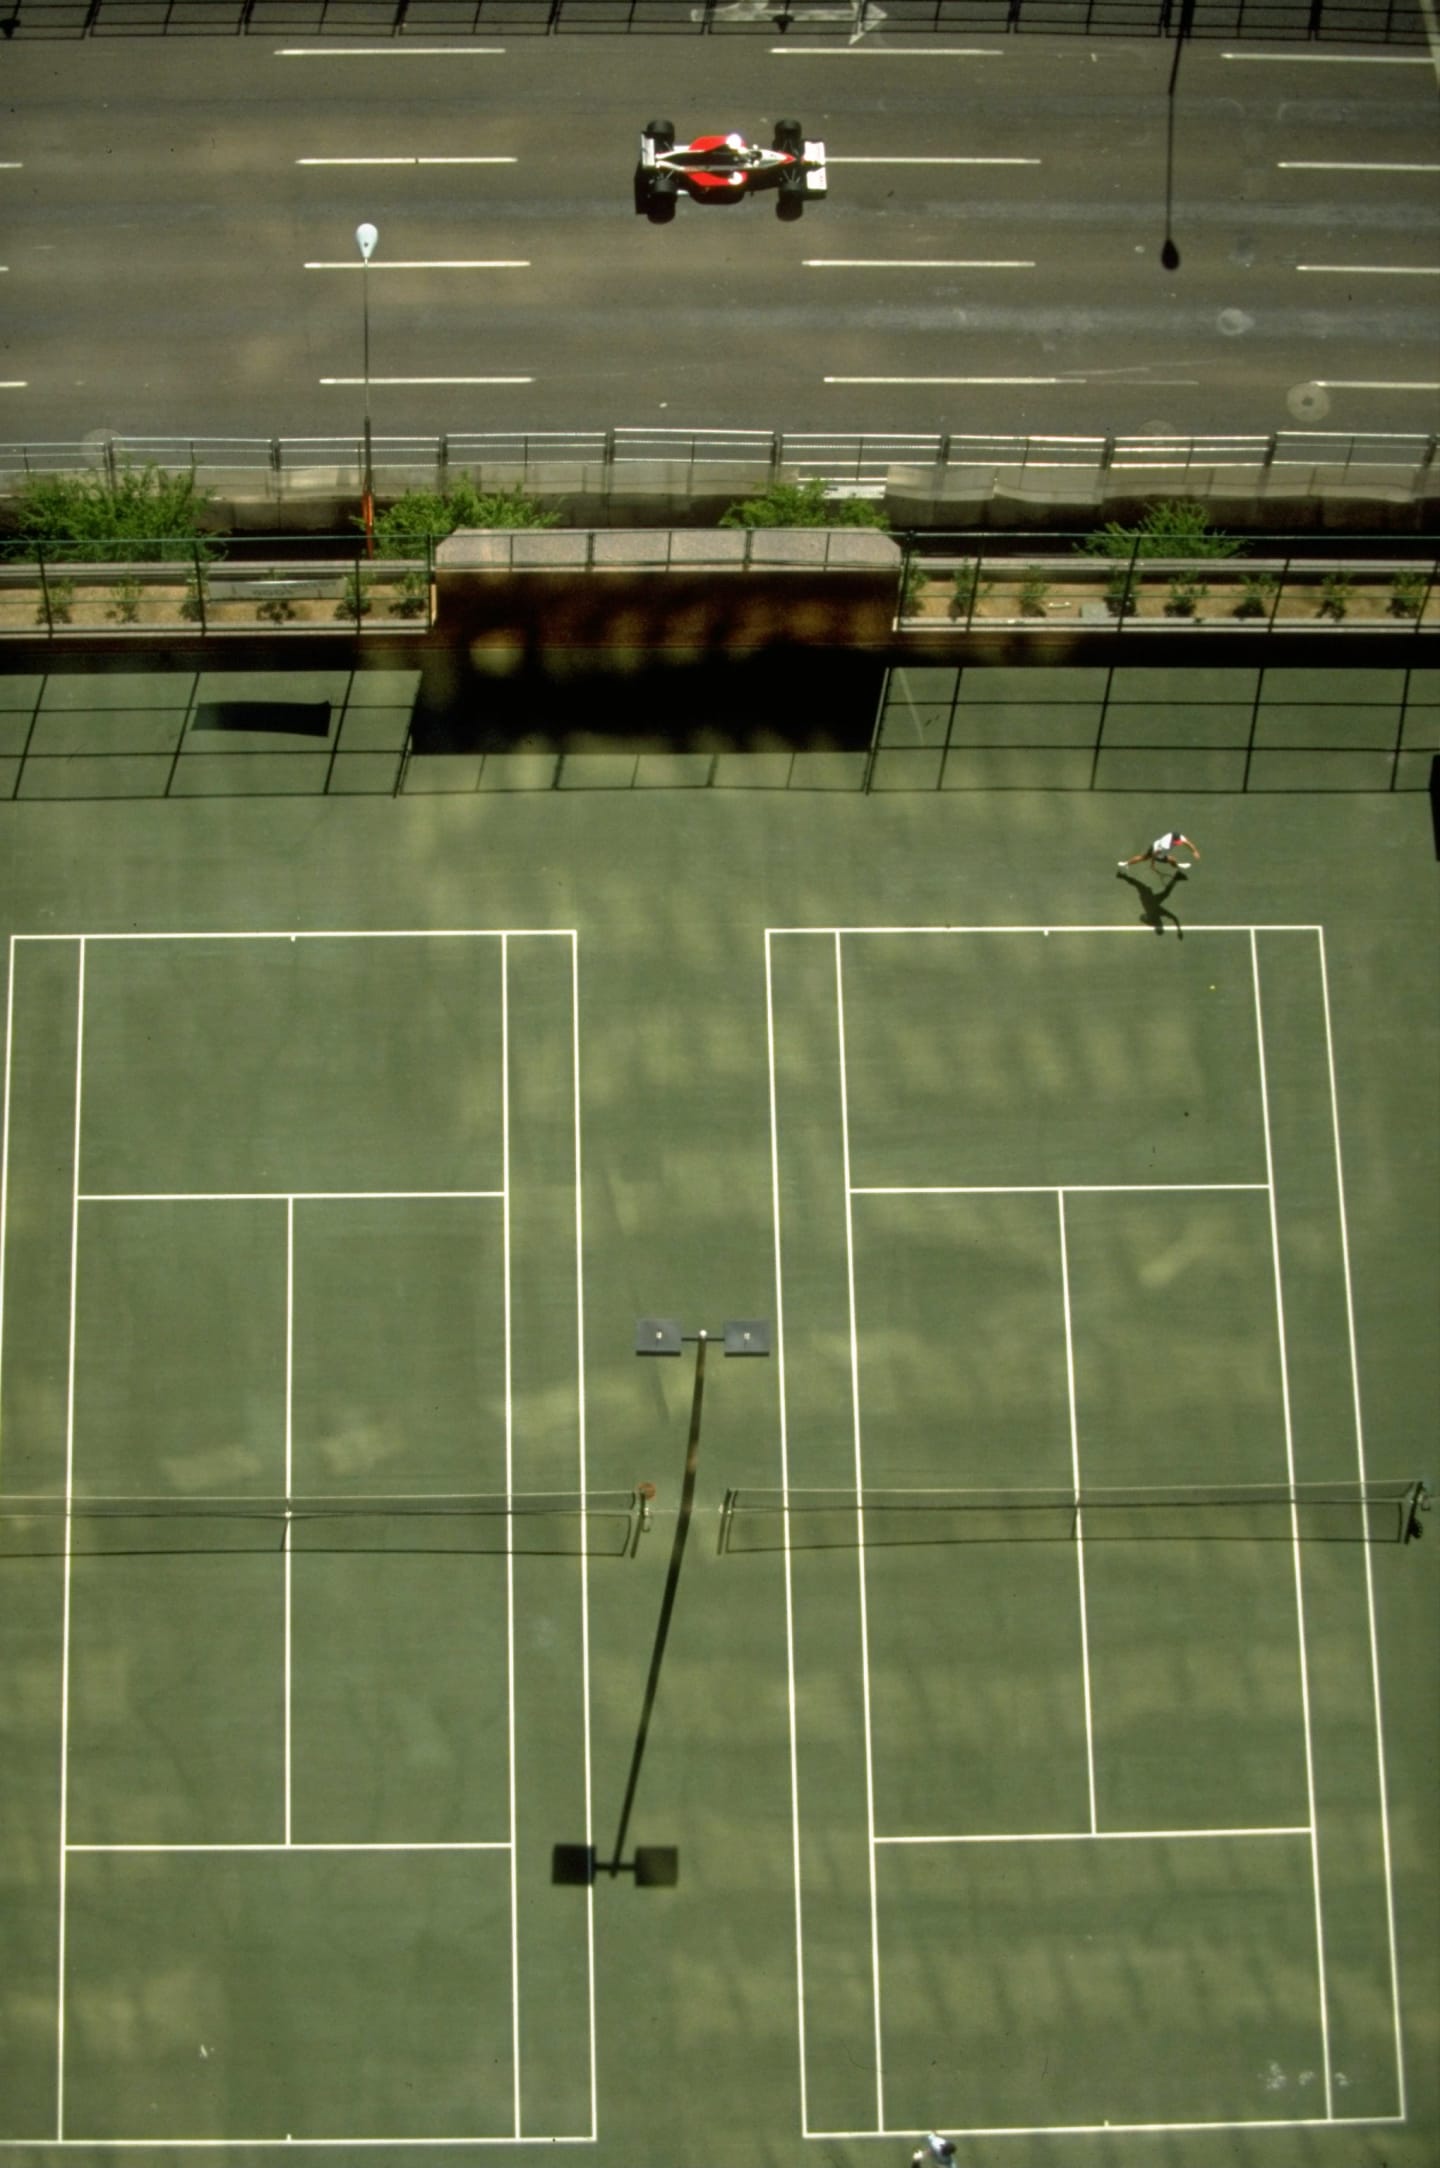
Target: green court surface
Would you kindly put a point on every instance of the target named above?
(345, 1142)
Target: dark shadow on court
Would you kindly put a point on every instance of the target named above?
(775, 699)
(1152, 902)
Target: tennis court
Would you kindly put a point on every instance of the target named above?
(1046, 1730)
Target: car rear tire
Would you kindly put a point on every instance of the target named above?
(661, 133)
(789, 136)
(790, 203)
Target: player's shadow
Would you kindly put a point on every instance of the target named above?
(1153, 900)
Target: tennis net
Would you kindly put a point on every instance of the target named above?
(535, 1523)
(754, 1519)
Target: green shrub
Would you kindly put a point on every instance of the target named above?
(1172, 528)
(355, 601)
(966, 589)
(407, 527)
(1407, 594)
(142, 514)
(1033, 591)
(275, 609)
(56, 603)
(124, 607)
(1334, 596)
(913, 582)
(1257, 595)
(1184, 595)
(1119, 599)
(803, 504)
(413, 596)
(197, 596)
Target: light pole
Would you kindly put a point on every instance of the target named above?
(365, 238)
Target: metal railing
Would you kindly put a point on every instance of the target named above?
(1365, 22)
(636, 464)
(972, 589)
(64, 593)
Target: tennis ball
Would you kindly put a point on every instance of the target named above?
(1212, 989)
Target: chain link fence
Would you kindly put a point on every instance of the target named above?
(1364, 22)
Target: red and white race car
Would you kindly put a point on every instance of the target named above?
(720, 168)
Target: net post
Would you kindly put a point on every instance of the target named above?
(727, 1511)
(1417, 1501)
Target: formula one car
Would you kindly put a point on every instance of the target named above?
(722, 168)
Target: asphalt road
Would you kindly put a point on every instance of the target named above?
(177, 264)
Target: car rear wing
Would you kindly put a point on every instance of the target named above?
(817, 180)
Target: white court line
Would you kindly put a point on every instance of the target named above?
(860, 1540)
(1294, 1534)
(509, 1527)
(584, 1533)
(384, 52)
(5, 1134)
(406, 161)
(916, 263)
(909, 52)
(1369, 1569)
(1376, 270)
(289, 1477)
(435, 263)
(1040, 1189)
(932, 161)
(333, 933)
(1341, 165)
(69, 1494)
(273, 1196)
(952, 380)
(1248, 927)
(496, 1845)
(353, 380)
(1093, 1836)
(1080, 1513)
(785, 1533)
(1096, 2130)
(1343, 383)
(1341, 60)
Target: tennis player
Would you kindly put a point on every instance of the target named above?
(934, 2149)
(1161, 852)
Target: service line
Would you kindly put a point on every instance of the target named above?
(953, 380)
(917, 263)
(436, 263)
(1376, 270)
(911, 52)
(406, 161)
(1360, 383)
(384, 52)
(1345, 165)
(352, 380)
(937, 162)
(1340, 60)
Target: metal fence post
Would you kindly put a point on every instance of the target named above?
(199, 586)
(44, 589)
(110, 461)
